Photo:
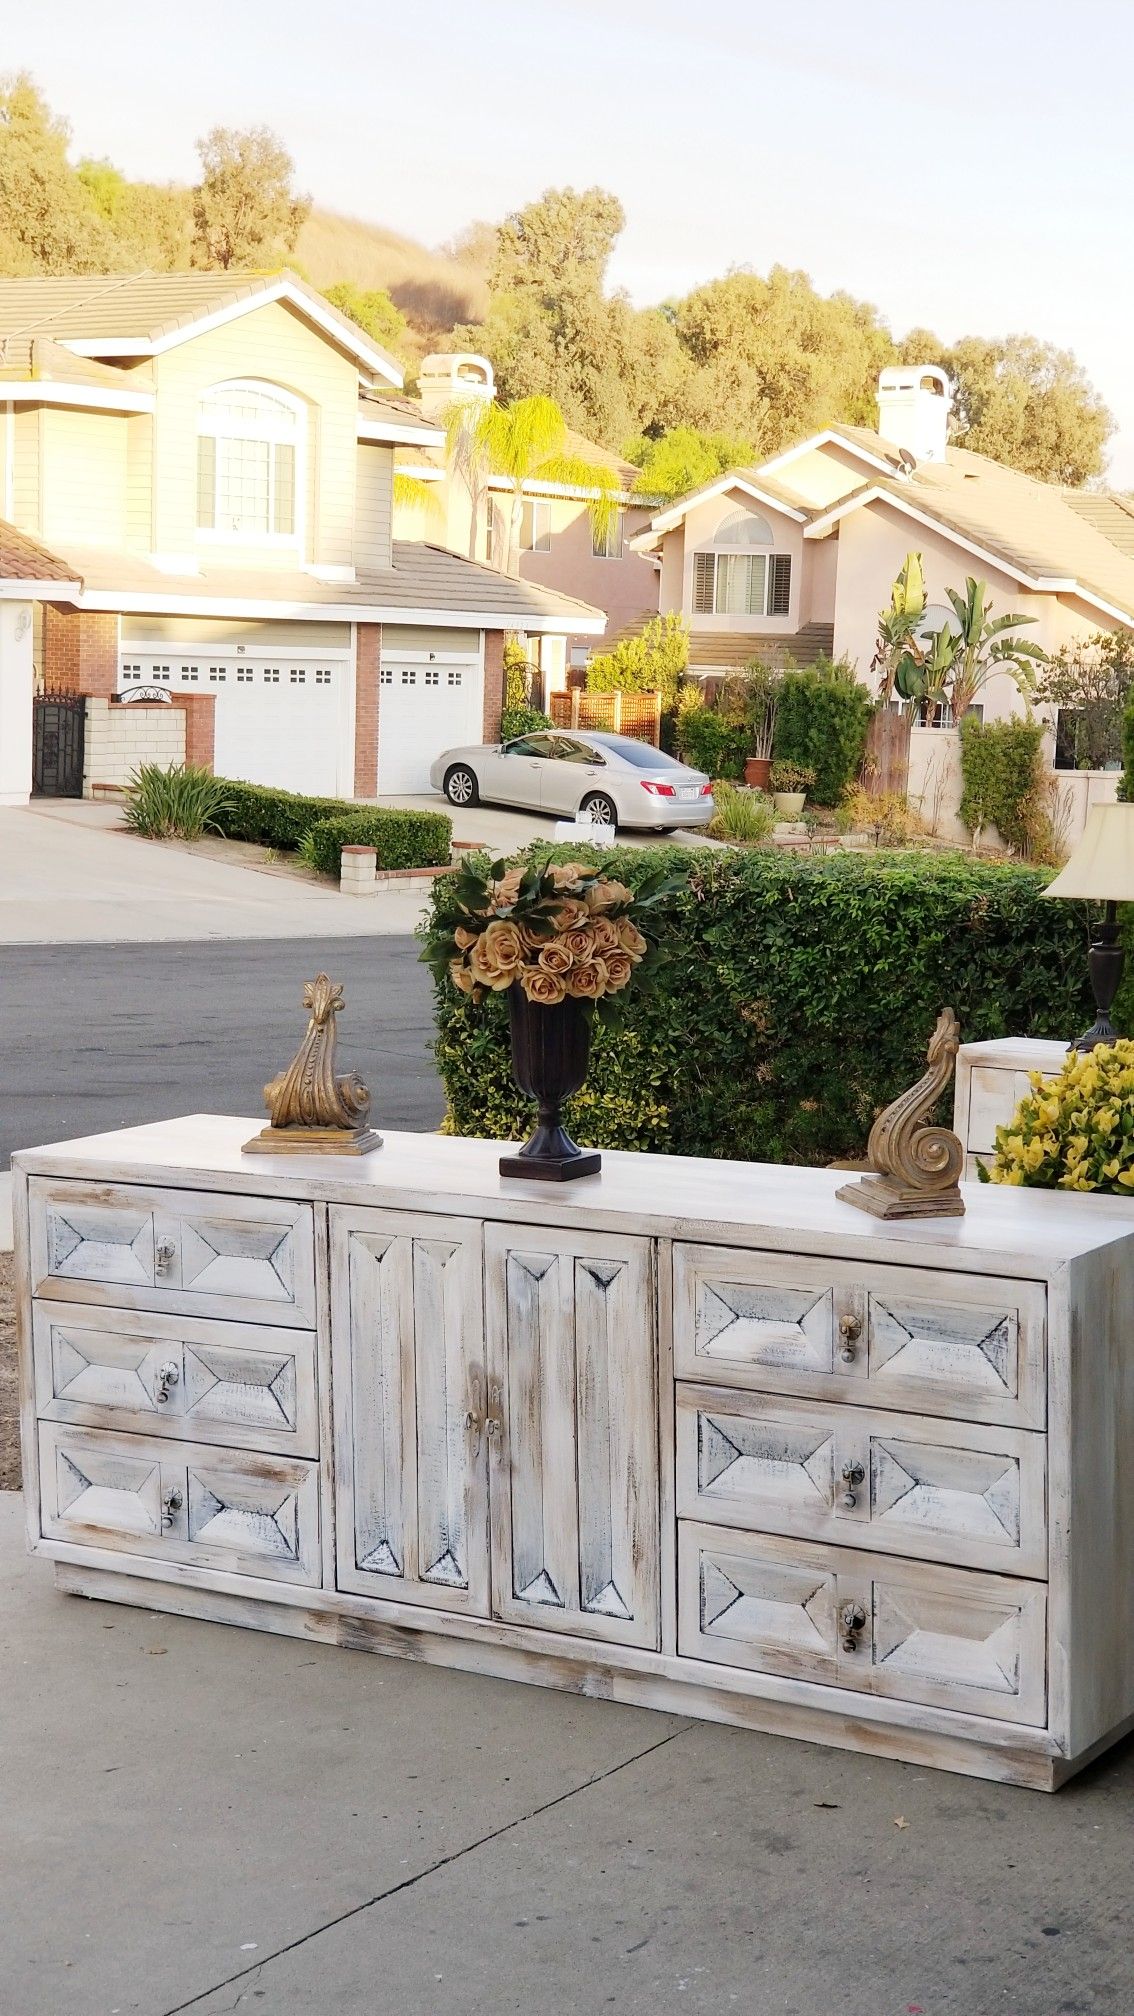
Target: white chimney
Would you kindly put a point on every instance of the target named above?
(446, 379)
(914, 402)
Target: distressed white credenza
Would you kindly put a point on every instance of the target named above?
(688, 1434)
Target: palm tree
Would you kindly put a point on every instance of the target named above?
(525, 440)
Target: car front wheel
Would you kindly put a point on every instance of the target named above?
(460, 785)
(599, 809)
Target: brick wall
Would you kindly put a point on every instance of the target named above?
(118, 739)
(80, 651)
(493, 683)
(200, 726)
(368, 654)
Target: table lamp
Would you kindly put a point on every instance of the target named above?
(1101, 870)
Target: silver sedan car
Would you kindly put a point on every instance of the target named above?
(611, 780)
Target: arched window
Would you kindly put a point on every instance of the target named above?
(248, 442)
(732, 582)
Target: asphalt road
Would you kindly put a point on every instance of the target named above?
(94, 1037)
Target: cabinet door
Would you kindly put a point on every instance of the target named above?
(573, 1432)
(945, 1637)
(409, 1390)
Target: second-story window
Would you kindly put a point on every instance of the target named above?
(535, 526)
(248, 440)
(607, 544)
(729, 580)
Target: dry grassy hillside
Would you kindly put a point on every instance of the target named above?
(432, 290)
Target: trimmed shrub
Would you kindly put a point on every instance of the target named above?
(711, 743)
(402, 839)
(1002, 769)
(274, 818)
(796, 1001)
(522, 721)
(652, 662)
(182, 801)
(822, 716)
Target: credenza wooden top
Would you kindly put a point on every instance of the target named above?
(1027, 1233)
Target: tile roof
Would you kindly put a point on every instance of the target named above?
(28, 357)
(1110, 514)
(24, 559)
(422, 577)
(145, 306)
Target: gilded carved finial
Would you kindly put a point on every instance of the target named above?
(313, 1112)
(915, 1166)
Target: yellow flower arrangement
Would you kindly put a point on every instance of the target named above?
(1075, 1131)
(558, 931)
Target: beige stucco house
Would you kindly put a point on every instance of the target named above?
(560, 549)
(208, 463)
(801, 552)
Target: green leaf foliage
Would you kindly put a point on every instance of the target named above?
(180, 802)
(712, 743)
(283, 819)
(520, 720)
(1002, 772)
(795, 999)
(402, 839)
(651, 662)
(821, 722)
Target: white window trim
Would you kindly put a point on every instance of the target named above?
(540, 508)
(215, 535)
(618, 525)
(765, 553)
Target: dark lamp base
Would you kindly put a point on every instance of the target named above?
(1102, 1030)
(1105, 960)
(551, 1168)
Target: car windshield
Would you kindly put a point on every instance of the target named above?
(642, 755)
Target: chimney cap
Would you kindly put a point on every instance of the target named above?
(912, 378)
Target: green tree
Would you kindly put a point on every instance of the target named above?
(49, 222)
(1030, 405)
(654, 661)
(373, 310)
(526, 439)
(683, 459)
(245, 211)
(149, 220)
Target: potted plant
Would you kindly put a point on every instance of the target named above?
(761, 695)
(1074, 1131)
(564, 942)
(790, 783)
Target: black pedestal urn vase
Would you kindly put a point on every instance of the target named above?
(550, 1047)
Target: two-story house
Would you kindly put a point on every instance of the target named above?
(799, 554)
(202, 457)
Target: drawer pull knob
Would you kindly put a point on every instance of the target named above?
(853, 1474)
(168, 1376)
(850, 1330)
(164, 1253)
(171, 1505)
(852, 1618)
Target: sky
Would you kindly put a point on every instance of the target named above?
(969, 168)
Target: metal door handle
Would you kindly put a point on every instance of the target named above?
(850, 1330)
(164, 1253)
(853, 1474)
(168, 1376)
(171, 1505)
(852, 1618)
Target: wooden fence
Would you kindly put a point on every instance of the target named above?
(886, 764)
(636, 714)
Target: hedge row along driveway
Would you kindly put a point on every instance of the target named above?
(797, 999)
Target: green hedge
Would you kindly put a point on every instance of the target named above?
(286, 819)
(712, 744)
(821, 723)
(402, 839)
(797, 999)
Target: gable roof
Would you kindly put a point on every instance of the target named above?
(386, 418)
(143, 314)
(26, 562)
(1026, 527)
(37, 370)
(753, 482)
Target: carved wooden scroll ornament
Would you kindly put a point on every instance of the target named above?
(313, 1112)
(915, 1167)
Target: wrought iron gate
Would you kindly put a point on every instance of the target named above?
(57, 745)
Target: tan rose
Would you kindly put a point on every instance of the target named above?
(631, 939)
(603, 895)
(571, 915)
(497, 956)
(604, 934)
(619, 967)
(555, 958)
(461, 977)
(531, 938)
(587, 983)
(580, 945)
(463, 938)
(539, 985)
(507, 889)
(566, 874)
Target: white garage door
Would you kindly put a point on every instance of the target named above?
(425, 704)
(279, 720)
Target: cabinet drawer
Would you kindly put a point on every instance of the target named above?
(946, 1637)
(904, 1337)
(940, 1491)
(211, 1508)
(248, 1258)
(238, 1383)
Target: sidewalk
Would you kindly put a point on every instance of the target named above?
(202, 1818)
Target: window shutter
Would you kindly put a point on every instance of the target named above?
(704, 575)
(779, 587)
(206, 482)
(283, 512)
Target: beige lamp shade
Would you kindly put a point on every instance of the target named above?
(1101, 869)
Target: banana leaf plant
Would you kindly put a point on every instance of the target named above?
(897, 653)
(983, 644)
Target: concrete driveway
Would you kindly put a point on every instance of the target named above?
(208, 1819)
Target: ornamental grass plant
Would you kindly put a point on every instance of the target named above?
(1074, 1131)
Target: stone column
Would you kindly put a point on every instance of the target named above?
(493, 683)
(367, 658)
